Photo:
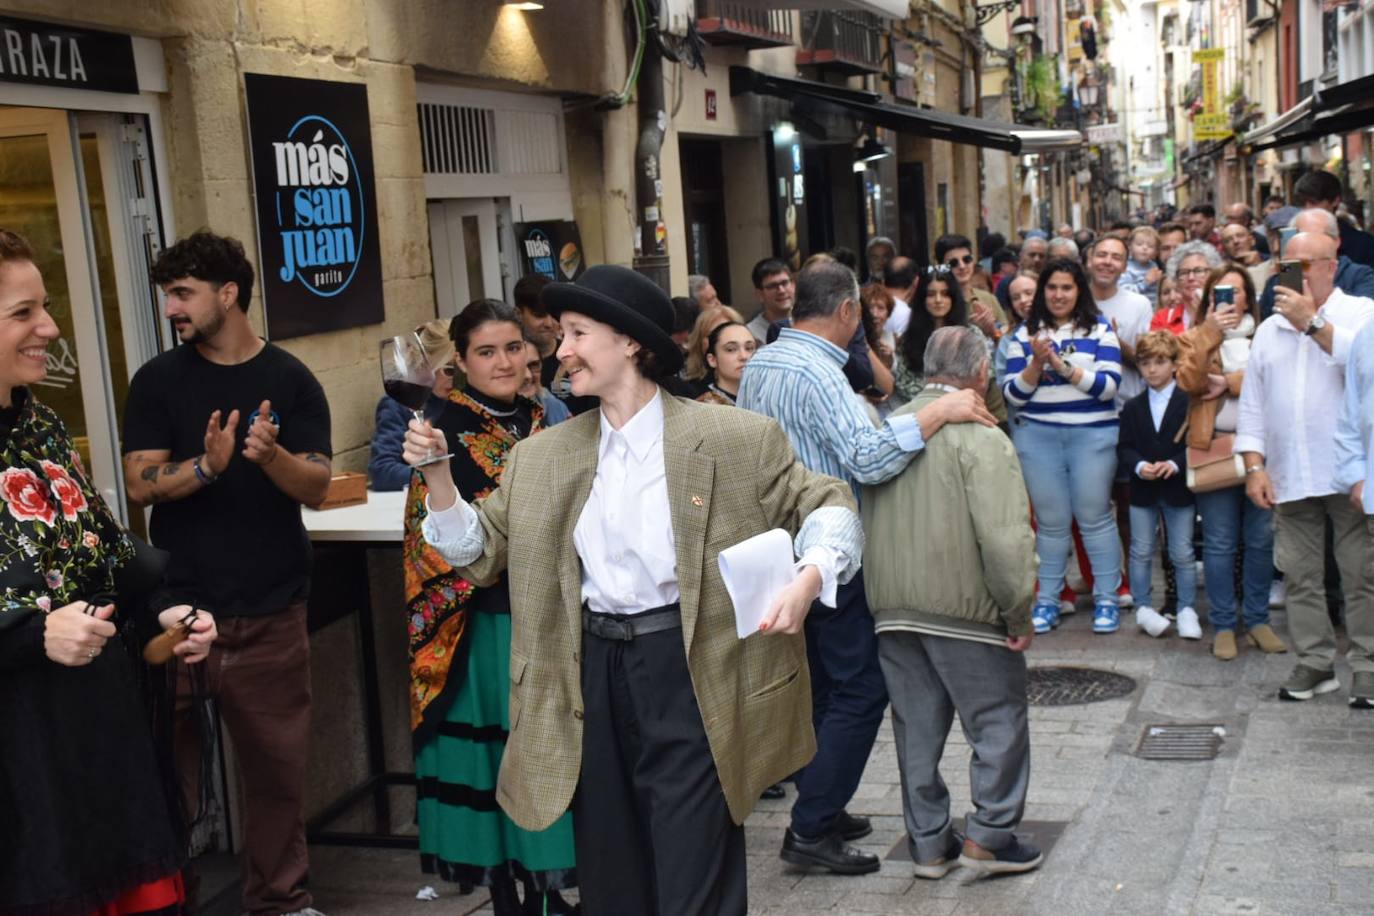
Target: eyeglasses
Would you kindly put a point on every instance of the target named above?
(776, 285)
(1194, 271)
(1308, 262)
(966, 260)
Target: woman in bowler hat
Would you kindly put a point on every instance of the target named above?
(632, 699)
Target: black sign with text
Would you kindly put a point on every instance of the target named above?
(551, 249)
(57, 55)
(319, 256)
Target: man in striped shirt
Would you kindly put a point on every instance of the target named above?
(798, 381)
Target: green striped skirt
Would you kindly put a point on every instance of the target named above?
(464, 835)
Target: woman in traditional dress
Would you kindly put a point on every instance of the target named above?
(460, 645)
(86, 820)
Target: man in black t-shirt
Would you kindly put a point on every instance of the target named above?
(226, 437)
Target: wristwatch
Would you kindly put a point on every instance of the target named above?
(1315, 325)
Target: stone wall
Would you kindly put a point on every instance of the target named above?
(578, 48)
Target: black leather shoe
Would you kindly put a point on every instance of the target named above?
(830, 852)
(851, 826)
(774, 792)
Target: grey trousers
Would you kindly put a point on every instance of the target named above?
(929, 678)
(1299, 534)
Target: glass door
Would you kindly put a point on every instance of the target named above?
(62, 187)
(463, 242)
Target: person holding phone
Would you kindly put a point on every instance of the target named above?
(1289, 405)
(1351, 277)
(1212, 363)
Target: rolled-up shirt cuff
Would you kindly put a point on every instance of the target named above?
(456, 532)
(907, 432)
(1245, 443)
(827, 562)
(1342, 339)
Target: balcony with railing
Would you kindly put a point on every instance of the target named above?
(844, 42)
(743, 25)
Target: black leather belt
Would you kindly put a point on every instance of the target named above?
(631, 626)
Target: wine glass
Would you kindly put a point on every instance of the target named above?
(408, 377)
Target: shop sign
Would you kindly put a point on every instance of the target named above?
(56, 55)
(1104, 134)
(1212, 122)
(552, 249)
(319, 257)
(710, 104)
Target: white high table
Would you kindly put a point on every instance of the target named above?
(377, 524)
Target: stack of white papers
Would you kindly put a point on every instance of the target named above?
(755, 571)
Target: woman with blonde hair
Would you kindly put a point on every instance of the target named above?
(697, 372)
(385, 468)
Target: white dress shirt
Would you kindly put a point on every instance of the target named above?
(1292, 394)
(1159, 404)
(624, 534)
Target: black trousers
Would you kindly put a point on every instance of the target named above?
(652, 831)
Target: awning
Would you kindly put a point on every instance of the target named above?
(888, 9)
(870, 107)
(1340, 109)
(1036, 140)
(1208, 150)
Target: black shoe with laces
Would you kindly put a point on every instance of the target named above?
(851, 827)
(830, 852)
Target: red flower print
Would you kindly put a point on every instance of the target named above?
(26, 496)
(67, 490)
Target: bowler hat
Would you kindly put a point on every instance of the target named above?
(629, 302)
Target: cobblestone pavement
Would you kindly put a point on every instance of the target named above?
(1282, 821)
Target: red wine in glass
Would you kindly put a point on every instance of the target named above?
(408, 377)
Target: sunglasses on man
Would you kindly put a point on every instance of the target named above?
(954, 263)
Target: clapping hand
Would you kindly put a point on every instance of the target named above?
(982, 317)
(74, 638)
(1042, 348)
(260, 447)
(219, 442)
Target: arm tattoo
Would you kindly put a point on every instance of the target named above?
(317, 458)
(149, 474)
(169, 469)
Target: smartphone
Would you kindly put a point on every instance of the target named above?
(1290, 275)
(1285, 234)
(1223, 298)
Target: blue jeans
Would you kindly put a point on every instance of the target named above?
(1178, 525)
(1227, 516)
(1069, 471)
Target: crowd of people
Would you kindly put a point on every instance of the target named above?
(585, 712)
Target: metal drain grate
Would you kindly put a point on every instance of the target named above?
(1180, 742)
(1073, 686)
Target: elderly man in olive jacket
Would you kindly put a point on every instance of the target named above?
(951, 570)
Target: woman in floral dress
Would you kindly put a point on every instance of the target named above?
(86, 825)
(460, 646)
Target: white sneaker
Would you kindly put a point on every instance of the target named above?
(1151, 621)
(1067, 607)
(1124, 599)
(1188, 626)
(1278, 595)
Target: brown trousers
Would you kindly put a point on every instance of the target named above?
(258, 673)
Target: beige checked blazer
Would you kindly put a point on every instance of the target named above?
(731, 474)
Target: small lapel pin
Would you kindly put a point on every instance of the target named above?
(698, 501)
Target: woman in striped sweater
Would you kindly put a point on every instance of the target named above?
(1063, 368)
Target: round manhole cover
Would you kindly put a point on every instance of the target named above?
(1071, 686)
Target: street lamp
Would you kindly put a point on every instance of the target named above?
(871, 150)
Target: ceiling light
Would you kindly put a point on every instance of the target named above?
(871, 150)
(524, 4)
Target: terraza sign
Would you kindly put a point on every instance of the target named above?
(52, 55)
(313, 179)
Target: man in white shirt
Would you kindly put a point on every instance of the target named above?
(1289, 405)
(774, 291)
(900, 280)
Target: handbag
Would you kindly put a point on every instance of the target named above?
(1216, 467)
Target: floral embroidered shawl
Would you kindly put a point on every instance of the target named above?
(59, 543)
(437, 598)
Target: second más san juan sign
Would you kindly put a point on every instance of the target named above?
(315, 191)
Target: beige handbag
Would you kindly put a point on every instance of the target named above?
(1216, 467)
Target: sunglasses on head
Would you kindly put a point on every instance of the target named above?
(955, 262)
(939, 270)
